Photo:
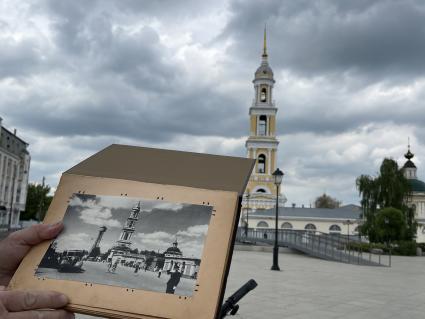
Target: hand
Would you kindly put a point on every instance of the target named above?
(14, 248)
(28, 305)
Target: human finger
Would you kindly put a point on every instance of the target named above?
(36, 234)
(32, 299)
(41, 314)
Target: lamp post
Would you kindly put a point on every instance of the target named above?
(278, 176)
(388, 235)
(247, 212)
(348, 223)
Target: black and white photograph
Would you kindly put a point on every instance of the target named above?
(134, 243)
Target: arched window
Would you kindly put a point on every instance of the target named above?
(263, 95)
(261, 190)
(335, 229)
(286, 225)
(261, 166)
(310, 227)
(262, 125)
(262, 224)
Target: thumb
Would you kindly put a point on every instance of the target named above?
(36, 234)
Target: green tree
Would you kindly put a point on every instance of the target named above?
(38, 201)
(390, 224)
(326, 201)
(389, 189)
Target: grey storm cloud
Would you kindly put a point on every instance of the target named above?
(76, 76)
(380, 39)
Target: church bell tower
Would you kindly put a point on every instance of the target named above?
(262, 143)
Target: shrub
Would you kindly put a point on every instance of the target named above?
(401, 248)
(405, 248)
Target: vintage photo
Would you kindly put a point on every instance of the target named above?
(129, 242)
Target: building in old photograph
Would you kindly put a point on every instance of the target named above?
(14, 172)
(124, 242)
(417, 197)
(173, 257)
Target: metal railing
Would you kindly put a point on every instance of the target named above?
(321, 245)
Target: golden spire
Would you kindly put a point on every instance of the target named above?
(265, 42)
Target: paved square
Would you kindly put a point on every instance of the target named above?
(309, 288)
(313, 288)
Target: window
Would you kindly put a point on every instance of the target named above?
(263, 95)
(310, 227)
(263, 224)
(335, 229)
(261, 166)
(261, 190)
(286, 225)
(262, 125)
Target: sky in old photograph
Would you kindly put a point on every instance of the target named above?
(76, 76)
(160, 224)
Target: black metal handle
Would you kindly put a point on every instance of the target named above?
(231, 303)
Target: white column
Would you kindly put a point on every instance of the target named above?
(269, 164)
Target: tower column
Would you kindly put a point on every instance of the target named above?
(124, 241)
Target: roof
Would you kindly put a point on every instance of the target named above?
(14, 136)
(416, 185)
(173, 250)
(409, 164)
(168, 167)
(264, 71)
(344, 212)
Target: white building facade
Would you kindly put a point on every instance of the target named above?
(343, 220)
(14, 172)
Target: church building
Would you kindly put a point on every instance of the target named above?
(259, 202)
(417, 197)
(262, 142)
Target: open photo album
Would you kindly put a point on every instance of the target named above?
(148, 233)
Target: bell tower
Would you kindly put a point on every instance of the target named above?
(262, 143)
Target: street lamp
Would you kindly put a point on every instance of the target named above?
(247, 212)
(388, 237)
(348, 223)
(278, 176)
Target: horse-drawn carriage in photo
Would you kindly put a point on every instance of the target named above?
(71, 261)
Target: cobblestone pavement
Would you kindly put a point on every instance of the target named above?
(315, 289)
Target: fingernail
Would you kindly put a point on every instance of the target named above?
(55, 225)
(64, 299)
(70, 315)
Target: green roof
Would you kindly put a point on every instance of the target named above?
(416, 185)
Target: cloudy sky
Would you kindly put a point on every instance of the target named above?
(159, 224)
(76, 76)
